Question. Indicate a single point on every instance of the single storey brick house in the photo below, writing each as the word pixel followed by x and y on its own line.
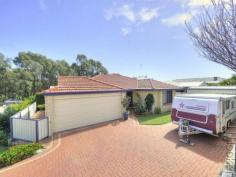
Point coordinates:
pixel 79 101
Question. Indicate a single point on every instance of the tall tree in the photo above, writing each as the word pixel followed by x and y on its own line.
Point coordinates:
pixel 35 72
pixel 6 78
pixel 31 63
pixel 23 83
pixel 88 67
pixel 213 32
pixel 63 68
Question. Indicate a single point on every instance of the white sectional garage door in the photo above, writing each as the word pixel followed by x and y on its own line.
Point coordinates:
pixel 75 111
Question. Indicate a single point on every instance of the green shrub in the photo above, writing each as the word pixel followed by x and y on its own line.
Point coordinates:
pixel 149 101
pixel 138 104
pixel 11 110
pixel 157 110
pixel 18 153
pixel 126 102
pixel 139 109
pixel 3 138
pixel 39 98
pixel 137 99
pixel 41 107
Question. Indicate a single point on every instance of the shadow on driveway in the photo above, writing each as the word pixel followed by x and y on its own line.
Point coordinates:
pixel 211 147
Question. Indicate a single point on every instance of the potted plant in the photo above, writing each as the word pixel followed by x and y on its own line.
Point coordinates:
pixel 126 102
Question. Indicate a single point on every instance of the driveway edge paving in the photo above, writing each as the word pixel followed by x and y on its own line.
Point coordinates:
pixel 54 144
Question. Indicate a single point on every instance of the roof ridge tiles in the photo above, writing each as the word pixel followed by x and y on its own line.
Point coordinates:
pixel 104 82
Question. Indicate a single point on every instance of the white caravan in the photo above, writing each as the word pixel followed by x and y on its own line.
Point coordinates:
pixel 208 113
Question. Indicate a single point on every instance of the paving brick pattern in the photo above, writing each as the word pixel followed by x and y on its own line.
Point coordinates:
pixel 126 149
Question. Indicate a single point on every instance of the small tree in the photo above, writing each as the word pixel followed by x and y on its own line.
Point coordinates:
pixel 149 101
pixel 213 32
pixel 138 104
pixel 126 102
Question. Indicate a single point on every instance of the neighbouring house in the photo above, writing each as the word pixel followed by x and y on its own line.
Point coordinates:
pixel 196 82
pixel 201 79
pixel 78 101
pixel 11 101
pixel 188 84
pixel 229 90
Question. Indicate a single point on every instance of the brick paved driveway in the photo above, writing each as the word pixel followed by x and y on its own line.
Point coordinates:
pixel 127 150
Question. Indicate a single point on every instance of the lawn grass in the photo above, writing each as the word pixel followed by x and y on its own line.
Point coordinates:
pixel 155 119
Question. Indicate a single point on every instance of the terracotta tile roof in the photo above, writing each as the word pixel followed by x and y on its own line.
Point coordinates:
pixel 154 84
pixel 80 84
pixel 83 82
pixel 133 83
pixel 104 83
pixel 119 80
pixel 57 89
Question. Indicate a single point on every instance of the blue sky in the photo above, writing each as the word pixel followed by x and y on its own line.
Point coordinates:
pixel 135 37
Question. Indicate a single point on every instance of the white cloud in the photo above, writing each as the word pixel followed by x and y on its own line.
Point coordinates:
pixel 124 11
pixel 146 14
pixel 178 19
pixel 132 16
pixel 125 31
pixel 196 3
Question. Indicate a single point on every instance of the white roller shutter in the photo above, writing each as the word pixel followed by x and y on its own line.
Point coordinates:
pixel 82 110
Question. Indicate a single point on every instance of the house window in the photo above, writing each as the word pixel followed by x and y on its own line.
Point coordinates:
pixel 167 96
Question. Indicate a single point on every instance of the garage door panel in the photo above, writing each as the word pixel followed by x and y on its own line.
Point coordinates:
pixel 79 112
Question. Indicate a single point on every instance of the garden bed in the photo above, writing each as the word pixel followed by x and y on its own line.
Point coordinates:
pixel 18 153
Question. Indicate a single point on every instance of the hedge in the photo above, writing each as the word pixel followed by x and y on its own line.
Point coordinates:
pixel 18 153
pixel 39 98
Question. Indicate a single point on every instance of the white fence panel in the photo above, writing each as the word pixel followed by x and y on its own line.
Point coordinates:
pixel 24 129
pixel 27 112
pixel 42 128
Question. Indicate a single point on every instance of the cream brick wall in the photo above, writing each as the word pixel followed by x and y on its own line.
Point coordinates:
pixel 49 111
pixel 158 99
